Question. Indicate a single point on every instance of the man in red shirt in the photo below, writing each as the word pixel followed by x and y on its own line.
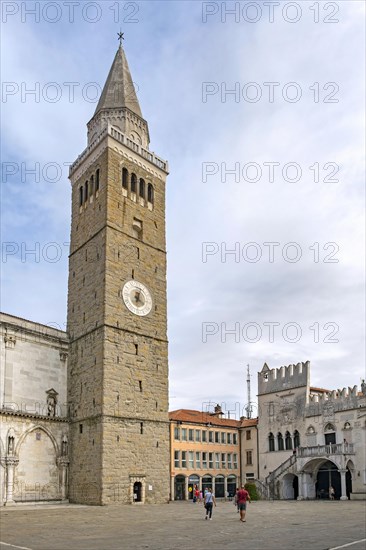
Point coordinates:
pixel 242 499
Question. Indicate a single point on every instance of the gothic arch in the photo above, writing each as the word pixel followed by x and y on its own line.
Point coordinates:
pixel 32 429
pixel 310 430
pixel 313 464
pixel 350 466
pixel 2 453
pixel 329 427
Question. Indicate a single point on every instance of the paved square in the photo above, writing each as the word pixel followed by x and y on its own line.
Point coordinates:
pixel 284 525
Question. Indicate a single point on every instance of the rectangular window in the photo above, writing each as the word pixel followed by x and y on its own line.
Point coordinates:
pixel 184 459
pixel 210 460
pixel 198 459
pixel 249 458
pixel 204 460
pixel 217 437
pixel 229 461
pixel 204 436
pixel 210 436
pixel 176 459
pixel 249 476
pixel 249 435
pixel 223 460
pixel 217 461
pixel 229 438
pixel 176 433
pixel 184 434
pixel 235 458
pixel 190 435
pixel 223 437
pixel 235 439
pixel 191 459
pixel 198 435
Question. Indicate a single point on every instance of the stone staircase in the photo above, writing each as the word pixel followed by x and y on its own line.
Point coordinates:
pixel 269 481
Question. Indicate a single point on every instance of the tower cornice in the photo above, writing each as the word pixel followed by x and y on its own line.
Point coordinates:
pixel 111 132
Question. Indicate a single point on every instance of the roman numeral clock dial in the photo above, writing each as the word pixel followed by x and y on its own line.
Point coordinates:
pixel 137 298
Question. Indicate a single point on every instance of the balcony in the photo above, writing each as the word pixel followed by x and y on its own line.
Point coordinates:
pixel 326 450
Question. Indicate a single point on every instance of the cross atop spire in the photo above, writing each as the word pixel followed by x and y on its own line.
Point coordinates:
pixel 120 38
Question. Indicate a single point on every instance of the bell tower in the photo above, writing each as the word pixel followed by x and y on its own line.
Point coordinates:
pixel 117 312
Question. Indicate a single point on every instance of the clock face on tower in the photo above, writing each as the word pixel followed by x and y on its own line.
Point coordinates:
pixel 137 298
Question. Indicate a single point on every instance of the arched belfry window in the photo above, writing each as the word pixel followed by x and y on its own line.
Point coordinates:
pixel 133 183
pixel 150 193
pixel 271 442
pixel 81 195
pixel 296 439
pixel 280 441
pixel 288 441
pixel 142 188
pixel 124 178
pixel 97 180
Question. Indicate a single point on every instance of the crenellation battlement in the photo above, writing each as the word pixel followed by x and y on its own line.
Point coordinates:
pixel 333 395
pixel 283 378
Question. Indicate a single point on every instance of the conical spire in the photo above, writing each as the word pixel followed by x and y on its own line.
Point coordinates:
pixel 119 91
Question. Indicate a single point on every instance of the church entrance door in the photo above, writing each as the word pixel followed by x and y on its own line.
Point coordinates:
pixel 137 491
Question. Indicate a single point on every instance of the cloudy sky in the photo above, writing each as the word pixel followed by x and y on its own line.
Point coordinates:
pixel 260 114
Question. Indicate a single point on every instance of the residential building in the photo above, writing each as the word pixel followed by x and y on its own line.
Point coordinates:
pixel 206 452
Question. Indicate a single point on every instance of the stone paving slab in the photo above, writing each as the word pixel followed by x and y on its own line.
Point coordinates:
pixel 281 525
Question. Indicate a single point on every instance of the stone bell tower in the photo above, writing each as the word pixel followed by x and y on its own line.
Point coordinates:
pixel 117 313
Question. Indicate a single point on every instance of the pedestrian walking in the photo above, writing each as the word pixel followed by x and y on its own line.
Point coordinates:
pixel 209 502
pixel 242 498
pixel 236 500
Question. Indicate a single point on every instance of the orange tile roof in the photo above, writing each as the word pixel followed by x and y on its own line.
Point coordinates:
pixel 248 422
pixel 319 389
pixel 200 417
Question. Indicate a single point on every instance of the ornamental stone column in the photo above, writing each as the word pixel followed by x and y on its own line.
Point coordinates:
pixel 343 484
pixel 63 464
pixel 301 486
pixel 225 486
pixel 186 488
pixel 11 463
pixel 213 485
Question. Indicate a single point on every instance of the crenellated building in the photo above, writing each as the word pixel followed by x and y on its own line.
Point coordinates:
pixel 310 438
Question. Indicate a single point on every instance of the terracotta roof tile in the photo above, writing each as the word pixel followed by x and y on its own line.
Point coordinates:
pixel 200 417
